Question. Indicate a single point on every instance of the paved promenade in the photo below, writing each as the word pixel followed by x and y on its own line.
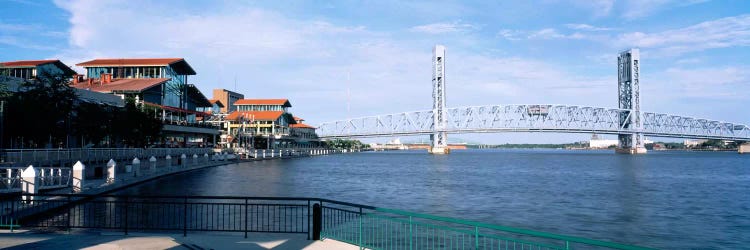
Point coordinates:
pixel 194 241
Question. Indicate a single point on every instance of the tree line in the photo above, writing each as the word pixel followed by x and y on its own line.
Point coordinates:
pixel 45 112
pixel 345 144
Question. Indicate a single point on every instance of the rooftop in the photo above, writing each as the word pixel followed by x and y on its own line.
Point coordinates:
pixel 255 115
pixel 228 91
pixel 27 63
pixel 283 102
pixel 217 102
pixel 301 125
pixel 130 85
pixel 35 63
pixel 178 64
pixel 197 96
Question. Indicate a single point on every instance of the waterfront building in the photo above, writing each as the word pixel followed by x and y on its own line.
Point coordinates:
pixel 694 143
pixel 267 123
pixel 600 143
pixel 159 84
pixel 215 107
pixel 227 98
pixel 304 135
pixel 14 74
pixel 30 69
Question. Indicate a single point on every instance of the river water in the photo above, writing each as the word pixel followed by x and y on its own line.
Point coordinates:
pixel 673 200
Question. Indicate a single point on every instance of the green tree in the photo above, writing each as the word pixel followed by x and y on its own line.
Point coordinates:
pixel 4 92
pixel 40 111
pixel 345 144
pixel 713 144
pixel 93 122
pixel 133 127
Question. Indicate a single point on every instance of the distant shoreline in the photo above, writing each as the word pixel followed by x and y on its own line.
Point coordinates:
pixel 592 149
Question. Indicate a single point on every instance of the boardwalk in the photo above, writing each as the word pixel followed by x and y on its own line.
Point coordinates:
pixel 103 240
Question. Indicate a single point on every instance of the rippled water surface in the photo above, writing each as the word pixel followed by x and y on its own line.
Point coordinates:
pixel 662 199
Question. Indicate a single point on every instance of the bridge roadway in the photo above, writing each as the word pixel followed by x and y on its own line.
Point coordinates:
pixel 534 118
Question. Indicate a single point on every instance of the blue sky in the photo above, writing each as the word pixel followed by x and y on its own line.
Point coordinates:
pixel 695 54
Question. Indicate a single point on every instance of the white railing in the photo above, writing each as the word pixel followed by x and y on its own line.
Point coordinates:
pixel 160 161
pixel 49 178
pixel 24 156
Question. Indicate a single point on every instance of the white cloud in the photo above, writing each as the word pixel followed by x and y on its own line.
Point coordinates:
pixel 699 82
pixel 690 87
pixel 545 34
pixel 308 60
pixel 441 28
pixel 508 80
pixel 720 33
pixel 586 27
pixel 512 35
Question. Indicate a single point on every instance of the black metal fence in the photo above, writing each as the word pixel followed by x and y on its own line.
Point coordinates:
pixel 159 213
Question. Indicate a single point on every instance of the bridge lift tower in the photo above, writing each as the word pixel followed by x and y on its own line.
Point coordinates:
pixel 439 139
pixel 629 99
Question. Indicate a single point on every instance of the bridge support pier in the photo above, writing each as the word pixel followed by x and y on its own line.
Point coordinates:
pixel 631 151
pixel 439 150
pixel 629 99
pixel 744 148
pixel 439 139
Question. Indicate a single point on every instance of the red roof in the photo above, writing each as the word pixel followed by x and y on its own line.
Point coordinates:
pixel 298 119
pixel 255 115
pixel 131 62
pixel 283 102
pixel 301 125
pixel 178 64
pixel 34 63
pixel 122 85
pixel 27 63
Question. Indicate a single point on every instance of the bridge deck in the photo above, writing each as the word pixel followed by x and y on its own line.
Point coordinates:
pixel 534 118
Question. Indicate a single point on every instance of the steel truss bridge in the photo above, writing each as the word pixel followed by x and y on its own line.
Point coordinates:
pixel 533 118
pixel 627 121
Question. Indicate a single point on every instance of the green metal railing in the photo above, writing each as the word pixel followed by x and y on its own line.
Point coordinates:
pixel 381 228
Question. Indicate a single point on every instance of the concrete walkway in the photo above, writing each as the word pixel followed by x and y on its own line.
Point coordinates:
pixel 194 241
